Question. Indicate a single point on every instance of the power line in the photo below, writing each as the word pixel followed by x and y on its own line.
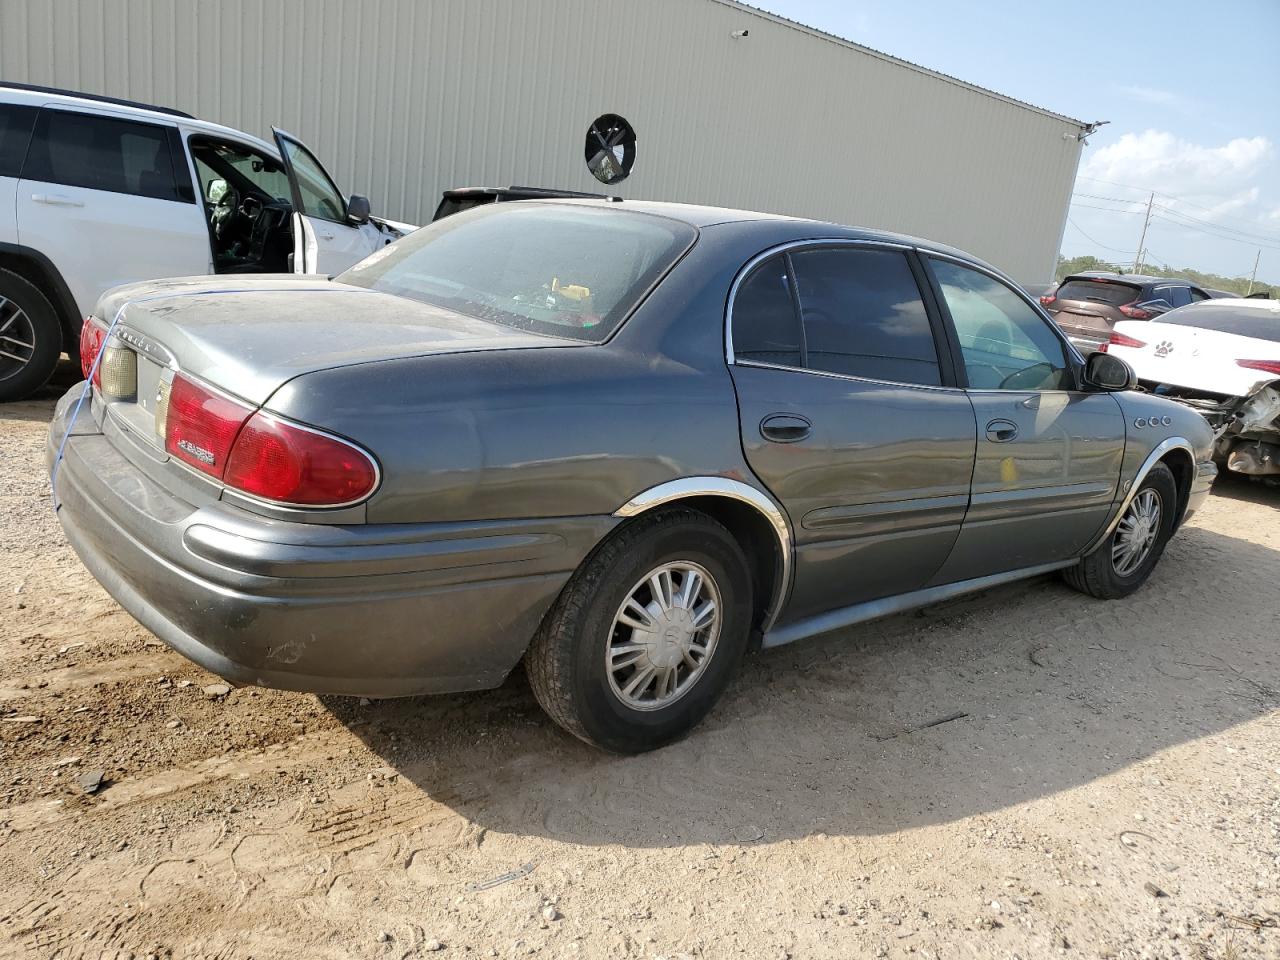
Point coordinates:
pixel 1219 226
pixel 1089 206
pixel 1160 193
pixel 1093 241
pixel 1219 236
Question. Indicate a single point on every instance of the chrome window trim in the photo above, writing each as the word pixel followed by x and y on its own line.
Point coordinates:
pixel 785 247
pixel 673 491
pixel 1026 298
pixel 762 365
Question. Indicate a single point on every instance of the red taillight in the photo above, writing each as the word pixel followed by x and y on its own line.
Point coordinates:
pixel 1048 299
pixel 1120 340
pixel 91 336
pixel 1134 313
pixel 201 426
pixel 285 463
pixel 1266 366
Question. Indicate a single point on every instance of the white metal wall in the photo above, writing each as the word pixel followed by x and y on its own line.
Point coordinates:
pixel 404 98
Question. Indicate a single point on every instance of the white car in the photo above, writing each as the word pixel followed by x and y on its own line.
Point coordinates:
pixel 96 192
pixel 1221 357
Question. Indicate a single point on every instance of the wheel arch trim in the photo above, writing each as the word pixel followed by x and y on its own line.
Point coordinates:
pixel 687 488
pixel 1157 454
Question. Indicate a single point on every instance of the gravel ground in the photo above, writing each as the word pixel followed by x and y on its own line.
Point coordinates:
pixel 1106 783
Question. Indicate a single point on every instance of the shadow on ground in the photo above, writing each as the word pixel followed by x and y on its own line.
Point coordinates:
pixel 830 736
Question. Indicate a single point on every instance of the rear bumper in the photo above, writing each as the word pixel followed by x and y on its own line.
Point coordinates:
pixel 366 609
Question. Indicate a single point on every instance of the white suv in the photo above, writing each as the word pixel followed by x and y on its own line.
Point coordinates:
pixel 96 192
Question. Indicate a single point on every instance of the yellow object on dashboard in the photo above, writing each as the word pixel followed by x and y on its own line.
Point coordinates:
pixel 574 291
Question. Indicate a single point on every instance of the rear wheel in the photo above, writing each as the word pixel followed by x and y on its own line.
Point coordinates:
pixel 30 337
pixel 647 633
pixel 1123 562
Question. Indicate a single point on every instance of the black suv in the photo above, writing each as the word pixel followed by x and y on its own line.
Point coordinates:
pixel 1088 305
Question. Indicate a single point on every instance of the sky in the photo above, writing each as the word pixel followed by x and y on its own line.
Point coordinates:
pixel 1191 92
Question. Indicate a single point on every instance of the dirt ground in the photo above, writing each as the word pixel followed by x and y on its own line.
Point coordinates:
pixel 1106 784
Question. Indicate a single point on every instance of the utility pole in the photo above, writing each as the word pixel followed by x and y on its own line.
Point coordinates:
pixel 1255 273
pixel 1146 222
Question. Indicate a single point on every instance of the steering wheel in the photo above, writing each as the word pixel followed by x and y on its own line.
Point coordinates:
pixel 1034 377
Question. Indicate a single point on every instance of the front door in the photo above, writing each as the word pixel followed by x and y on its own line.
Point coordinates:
pixel 107 201
pixel 848 418
pixel 324 241
pixel 1049 454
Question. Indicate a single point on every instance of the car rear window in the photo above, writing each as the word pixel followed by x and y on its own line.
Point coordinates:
pixel 557 269
pixel 1099 291
pixel 1259 323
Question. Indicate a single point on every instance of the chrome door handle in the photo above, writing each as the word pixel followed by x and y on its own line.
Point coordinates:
pixel 785 428
pixel 56 200
pixel 326 236
pixel 1002 431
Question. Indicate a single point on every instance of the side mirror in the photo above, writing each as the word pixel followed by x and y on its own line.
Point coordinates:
pixel 1102 371
pixel 1155 307
pixel 216 191
pixel 358 209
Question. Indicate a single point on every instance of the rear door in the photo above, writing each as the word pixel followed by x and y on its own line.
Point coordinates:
pixel 324 241
pixel 848 417
pixel 1048 454
pixel 110 200
pixel 16 122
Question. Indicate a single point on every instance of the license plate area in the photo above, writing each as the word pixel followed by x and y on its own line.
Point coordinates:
pixel 137 416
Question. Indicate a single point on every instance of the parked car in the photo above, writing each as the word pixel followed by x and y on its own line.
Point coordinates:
pixel 95 192
pixel 616 441
pixel 464 198
pixel 1221 358
pixel 1088 305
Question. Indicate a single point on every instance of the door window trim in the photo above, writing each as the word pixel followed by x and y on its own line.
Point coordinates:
pixel 1073 357
pixel 941 336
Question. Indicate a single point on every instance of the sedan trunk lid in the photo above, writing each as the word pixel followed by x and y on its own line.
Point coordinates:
pixel 250 334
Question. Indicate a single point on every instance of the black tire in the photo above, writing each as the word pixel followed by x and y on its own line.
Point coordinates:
pixel 1096 574
pixel 566 663
pixel 18 381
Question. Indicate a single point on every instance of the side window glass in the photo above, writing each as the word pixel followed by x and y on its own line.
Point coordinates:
pixel 320 198
pixel 1198 295
pixel 765 326
pixel 101 153
pixel 1005 344
pixel 863 315
pixel 15 134
pixel 1179 296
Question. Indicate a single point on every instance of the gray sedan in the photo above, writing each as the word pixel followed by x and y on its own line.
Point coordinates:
pixel 621 441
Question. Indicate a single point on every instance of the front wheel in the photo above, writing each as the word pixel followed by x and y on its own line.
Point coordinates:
pixel 647 633
pixel 1124 560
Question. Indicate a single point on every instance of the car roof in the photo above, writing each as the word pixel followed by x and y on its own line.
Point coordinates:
pixel 112 107
pixel 1130 278
pixel 701 216
pixel 1232 303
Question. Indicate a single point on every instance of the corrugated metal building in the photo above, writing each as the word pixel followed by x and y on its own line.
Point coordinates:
pixel 405 98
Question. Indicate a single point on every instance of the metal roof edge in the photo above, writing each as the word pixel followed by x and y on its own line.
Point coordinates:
pixel 897 61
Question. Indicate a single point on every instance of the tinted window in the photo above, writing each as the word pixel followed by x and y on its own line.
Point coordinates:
pixel 101 153
pixel 863 315
pixel 15 134
pixel 1006 345
pixel 1262 323
pixel 550 268
pixel 1175 294
pixel 1198 295
pixel 765 326
pixel 1099 291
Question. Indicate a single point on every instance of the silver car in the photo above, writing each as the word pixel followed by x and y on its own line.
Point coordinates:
pixel 619 441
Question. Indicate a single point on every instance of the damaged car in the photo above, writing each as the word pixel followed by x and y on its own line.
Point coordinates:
pixel 616 442
pixel 96 191
pixel 1221 358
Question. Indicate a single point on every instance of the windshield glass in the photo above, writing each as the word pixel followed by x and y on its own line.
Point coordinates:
pixel 549 268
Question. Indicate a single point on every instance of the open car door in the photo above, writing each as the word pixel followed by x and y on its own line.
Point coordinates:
pixel 328 237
